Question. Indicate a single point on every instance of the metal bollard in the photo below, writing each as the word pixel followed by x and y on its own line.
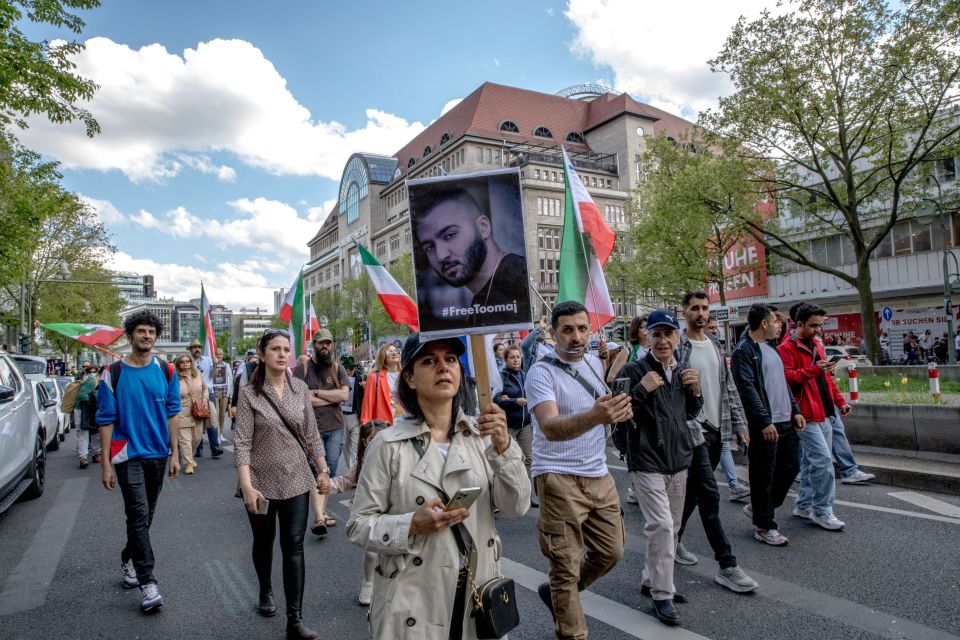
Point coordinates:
pixel 852 381
pixel 933 374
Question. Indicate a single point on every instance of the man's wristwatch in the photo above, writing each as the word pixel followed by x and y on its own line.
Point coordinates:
pixel 326 471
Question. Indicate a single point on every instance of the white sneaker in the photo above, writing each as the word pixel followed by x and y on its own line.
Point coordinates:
pixel 683 556
pixel 858 477
pixel 152 599
pixel 802 513
pixel 366 592
pixel 631 499
pixel 739 491
pixel 748 510
pixel 129 575
pixel 770 536
pixel 828 521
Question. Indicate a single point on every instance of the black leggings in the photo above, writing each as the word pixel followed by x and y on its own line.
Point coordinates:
pixel 292 514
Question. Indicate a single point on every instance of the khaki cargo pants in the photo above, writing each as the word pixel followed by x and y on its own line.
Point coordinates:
pixel 577 512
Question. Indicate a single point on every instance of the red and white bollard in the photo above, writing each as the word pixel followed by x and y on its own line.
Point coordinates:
pixel 933 375
pixel 852 380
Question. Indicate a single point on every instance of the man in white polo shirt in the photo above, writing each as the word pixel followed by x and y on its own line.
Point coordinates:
pixel 579 504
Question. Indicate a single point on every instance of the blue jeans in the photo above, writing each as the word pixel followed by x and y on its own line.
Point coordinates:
pixel 817 483
pixel 332 446
pixel 726 463
pixel 212 434
pixel 841 448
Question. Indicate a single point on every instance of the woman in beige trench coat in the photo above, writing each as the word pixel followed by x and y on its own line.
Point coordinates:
pixel 397 513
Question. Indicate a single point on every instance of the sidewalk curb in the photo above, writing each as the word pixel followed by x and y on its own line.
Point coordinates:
pixel 913 479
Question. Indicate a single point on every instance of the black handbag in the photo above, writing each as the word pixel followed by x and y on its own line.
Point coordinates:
pixel 494 611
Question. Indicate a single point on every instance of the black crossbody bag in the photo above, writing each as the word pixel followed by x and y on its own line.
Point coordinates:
pixel 310 463
pixel 494 602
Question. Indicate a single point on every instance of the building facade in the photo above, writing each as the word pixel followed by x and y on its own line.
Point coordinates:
pixel 496 127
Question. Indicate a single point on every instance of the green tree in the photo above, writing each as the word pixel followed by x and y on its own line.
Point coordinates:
pixel 223 343
pixel 71 235
pixel 687 213
pixel 244 344
pixel 38 77
pixel 846 99
pixel 70 302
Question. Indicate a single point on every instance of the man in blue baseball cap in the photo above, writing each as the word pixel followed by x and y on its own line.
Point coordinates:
pixel 664 397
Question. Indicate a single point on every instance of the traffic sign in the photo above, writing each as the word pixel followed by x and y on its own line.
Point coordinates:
pixel 721 314
pixel 887 314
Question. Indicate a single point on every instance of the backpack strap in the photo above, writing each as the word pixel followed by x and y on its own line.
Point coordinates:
pixel 117 367
pixel 573 373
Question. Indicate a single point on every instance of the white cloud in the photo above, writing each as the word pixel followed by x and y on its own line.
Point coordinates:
pixel 657 54
pixel 157 109
pixel 267 225
pixel 549 11
pixel 233 285
pixel 104 209
pixel 450 105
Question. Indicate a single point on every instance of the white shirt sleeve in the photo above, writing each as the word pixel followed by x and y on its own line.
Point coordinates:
pixel 539 387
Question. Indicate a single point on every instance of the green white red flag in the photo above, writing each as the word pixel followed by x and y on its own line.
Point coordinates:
pixel 586 245
pixel 311 326
pixel 205 335
pixel 400 307
pixel 91 334
pixel 293 313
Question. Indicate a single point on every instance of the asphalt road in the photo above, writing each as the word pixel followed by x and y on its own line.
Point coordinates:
pixel 894 573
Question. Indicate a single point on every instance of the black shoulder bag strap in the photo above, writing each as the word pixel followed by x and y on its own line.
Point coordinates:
pixel 573 373
pixel 273 404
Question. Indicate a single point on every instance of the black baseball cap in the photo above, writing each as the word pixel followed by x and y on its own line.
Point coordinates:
pixel 413 346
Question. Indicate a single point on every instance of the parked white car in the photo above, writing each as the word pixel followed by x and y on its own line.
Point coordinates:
pixel 23 453
pixel 56 393
pixel 848 355
pixel 47 413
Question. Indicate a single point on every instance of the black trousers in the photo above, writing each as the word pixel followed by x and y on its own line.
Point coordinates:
pixel 140 480
pixel 702 494
pixel 773 467
pixel 292 516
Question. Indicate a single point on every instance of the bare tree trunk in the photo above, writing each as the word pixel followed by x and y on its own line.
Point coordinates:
pixel 867 309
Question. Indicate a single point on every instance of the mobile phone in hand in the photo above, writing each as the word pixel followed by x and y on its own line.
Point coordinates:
pixel 263 506
pixel 463 498
pixel 620 385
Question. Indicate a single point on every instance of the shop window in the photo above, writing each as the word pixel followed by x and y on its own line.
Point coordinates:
pixel 921 235
pixel 834 251
pixel 885 248
pixel 901 238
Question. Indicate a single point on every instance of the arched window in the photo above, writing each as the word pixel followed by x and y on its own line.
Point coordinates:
pixel 508 126
pixel 353 188
pixel 671 140
pixel 427 150
pixel 353 202
pixel 444 139
pixel 543 132
pixel 575 137
pixel 411 162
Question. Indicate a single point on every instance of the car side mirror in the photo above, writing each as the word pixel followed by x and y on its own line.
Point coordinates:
pixel 6 393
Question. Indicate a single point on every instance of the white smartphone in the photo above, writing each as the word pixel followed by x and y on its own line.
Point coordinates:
pixel 463 498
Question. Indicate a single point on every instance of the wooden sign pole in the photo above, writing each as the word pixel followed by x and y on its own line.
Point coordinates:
pixel 479 347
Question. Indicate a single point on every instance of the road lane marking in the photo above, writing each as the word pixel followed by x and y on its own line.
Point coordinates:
pixel 819 604
pixel 631 621
pixel 27 585
pixel 236 593
pixel 926 502
pixel 899 512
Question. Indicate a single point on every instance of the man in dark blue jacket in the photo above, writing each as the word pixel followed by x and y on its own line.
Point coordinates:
pixel 773 418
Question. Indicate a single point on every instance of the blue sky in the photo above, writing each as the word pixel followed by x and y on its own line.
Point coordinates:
pixel 226 124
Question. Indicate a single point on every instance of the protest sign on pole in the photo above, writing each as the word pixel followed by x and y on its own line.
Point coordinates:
pixel 469 259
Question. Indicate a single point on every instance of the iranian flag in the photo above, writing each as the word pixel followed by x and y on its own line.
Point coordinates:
pixel 293 314
pixel 206 336
pixel 398 304
pixel 90 334
pixel 311 326
pixel 587 244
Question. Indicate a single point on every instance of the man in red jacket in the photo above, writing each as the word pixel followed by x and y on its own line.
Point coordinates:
pixel 810 376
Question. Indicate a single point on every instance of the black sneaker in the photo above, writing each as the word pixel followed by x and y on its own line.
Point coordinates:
pixel 198 453
pixel 216 453
pixel 544 592
pixel 678 596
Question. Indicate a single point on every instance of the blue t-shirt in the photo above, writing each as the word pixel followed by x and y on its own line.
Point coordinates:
pixel 139 410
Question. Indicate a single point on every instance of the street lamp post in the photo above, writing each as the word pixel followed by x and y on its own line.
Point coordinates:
pixel 950 280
